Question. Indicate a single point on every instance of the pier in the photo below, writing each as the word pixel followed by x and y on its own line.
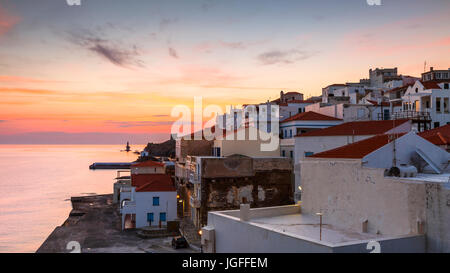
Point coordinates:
pixel 110 166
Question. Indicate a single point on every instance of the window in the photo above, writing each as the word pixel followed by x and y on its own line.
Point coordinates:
pixel 438 104
pixel 437 124
pixel 283 153
pixel 150 217
pixel 290 133
pixel 386 115
pixel 162 216
pixel 308 154
pixel 291 154
pixel 155 201
pixel 446 86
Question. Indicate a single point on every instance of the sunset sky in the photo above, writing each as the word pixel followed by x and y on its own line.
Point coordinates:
pixel 111 70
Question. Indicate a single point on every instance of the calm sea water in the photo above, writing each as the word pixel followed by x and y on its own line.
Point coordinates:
pixel 37 181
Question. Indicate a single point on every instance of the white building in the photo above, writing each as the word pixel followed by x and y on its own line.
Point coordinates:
pixel 350 204
pixel 300 124
pixel 389 184
pixel 325 139
pixel 428 99
pixel 248 141
pixel 150 201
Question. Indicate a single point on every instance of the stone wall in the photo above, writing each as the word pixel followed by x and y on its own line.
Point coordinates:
pixel 264 189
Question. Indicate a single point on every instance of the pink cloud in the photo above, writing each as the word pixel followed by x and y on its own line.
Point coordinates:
pixel 397 37
pixel 7 21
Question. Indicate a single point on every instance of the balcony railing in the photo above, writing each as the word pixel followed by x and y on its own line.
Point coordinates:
pixel 412 114
pixel 128 207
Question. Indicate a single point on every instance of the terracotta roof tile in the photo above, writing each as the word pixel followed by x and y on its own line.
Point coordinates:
pixel 148 163
pixel 358 149
pixel 152 182
pixel 310 115
pixel 433 84
pixel 357 128
pixel 437 136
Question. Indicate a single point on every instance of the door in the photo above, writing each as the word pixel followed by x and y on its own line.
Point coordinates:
pixel 162 216
pixel 150 218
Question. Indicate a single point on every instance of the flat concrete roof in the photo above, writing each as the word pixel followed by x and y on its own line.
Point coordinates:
pixel 430 177
pixel 308 227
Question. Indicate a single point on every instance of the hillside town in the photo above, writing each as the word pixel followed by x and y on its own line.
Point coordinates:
pixel 365 162
pixel 364 167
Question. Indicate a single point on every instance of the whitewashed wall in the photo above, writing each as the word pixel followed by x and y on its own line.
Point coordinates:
pixel 144 205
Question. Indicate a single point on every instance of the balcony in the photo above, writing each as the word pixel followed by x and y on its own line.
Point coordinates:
pixel 195 202
pixel 413 115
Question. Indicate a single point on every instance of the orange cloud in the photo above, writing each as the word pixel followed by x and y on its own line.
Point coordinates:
pixel 19 80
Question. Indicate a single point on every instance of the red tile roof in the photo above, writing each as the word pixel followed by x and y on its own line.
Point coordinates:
pixel 433 84
pixel 438 136
pixel 310 115
pixel 336 84
pixel 148 163
pixel 357 128
pixel 402 88
pixel 293 93
pixel 358 149
pixel 376 103
pixel 152 182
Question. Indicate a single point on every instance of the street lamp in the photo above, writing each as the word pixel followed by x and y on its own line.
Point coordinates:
pixel 320 225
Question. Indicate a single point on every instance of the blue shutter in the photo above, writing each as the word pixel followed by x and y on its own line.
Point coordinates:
pixel 162 216
pixel 155 201
pixel 150 217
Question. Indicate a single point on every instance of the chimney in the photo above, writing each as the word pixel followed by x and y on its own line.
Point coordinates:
pixel 281 96
pixel 431 68
pixel 244 212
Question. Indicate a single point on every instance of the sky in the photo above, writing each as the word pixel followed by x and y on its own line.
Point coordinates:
pixel 109 71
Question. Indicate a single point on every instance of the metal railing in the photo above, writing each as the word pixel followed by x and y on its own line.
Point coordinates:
pixel 412 114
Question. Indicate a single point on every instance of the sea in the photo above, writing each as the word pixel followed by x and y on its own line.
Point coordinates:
pixel 37 181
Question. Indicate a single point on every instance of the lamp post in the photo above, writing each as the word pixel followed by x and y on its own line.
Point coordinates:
pixel 320 225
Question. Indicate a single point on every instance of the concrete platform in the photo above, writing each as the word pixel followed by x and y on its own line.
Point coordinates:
pixel 95 225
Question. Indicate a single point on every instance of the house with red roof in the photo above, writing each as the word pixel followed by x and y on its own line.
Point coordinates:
pixel 428 100
pixel 300 124
pixel 317 141
pixel 147 167
pixel 391 184
pixel 152 201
